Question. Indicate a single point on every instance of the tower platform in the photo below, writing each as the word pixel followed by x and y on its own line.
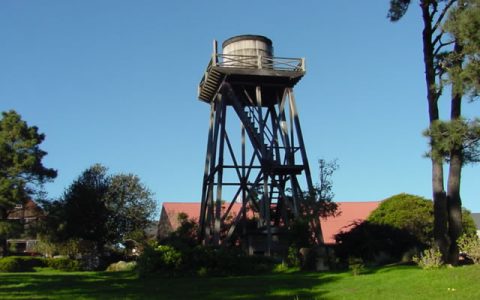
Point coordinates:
pixel 249 70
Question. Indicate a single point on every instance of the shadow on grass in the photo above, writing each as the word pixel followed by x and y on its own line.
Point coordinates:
pixel 122 285
pixel 391 267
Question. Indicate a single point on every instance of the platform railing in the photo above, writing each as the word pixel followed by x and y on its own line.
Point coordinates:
pixel 260 62
pixel 253 62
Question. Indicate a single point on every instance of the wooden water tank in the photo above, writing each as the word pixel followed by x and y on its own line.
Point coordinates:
pixel 245 51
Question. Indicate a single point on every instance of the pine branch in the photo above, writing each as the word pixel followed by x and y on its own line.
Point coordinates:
pixel 438 23
pixel 441 45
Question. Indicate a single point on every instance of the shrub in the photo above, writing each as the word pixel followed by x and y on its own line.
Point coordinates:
pixel 470 245
pixel 429 259
pixel 9 264
pixel 374 243
pixel 121 266
pixel 293 257
pixel 406 212
pixel 356 265
pixel 226 262
pixel 415 215
pixel 20 263
pixel 161 258
pixel 200 261
pixel 64 264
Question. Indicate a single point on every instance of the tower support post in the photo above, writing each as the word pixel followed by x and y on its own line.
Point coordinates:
pixel 253 177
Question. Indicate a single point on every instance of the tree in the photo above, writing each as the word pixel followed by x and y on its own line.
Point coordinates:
pixel 432 16
pixel 84 209
pixel 448 59
pixel 318 203
pixel 100 208
pixel 413 214
pixel 22 172
pixel 399 224
pixel 131 207
pixel 462 25
pixel 374 243
pixel 407 212
pixel 462 67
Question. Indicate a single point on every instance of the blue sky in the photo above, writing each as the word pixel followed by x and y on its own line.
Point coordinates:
pixel 115 82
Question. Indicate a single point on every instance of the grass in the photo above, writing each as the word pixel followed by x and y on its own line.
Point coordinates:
pixel 394 282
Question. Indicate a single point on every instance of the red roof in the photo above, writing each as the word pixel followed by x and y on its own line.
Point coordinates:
pixel 192 209
pixel 350 212
pixel 29 209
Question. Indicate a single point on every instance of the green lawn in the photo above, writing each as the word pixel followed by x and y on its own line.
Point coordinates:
pixel 399 282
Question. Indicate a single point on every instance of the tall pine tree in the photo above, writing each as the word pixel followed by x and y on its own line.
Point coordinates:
pixel 21 170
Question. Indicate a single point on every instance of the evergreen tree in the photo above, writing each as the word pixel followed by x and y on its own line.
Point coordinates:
pixel 101 209
pixel 22 172
pixel 451 55
pixel 433 15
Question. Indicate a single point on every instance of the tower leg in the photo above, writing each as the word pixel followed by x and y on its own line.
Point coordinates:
pixel 272 157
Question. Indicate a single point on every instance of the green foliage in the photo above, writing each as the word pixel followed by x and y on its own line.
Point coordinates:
pixel 413 214
pixel 20 263
pixel 161 258
pixel 20 160
pixel 320 200
pixel 111 209
pixel 462 24
pixel 201 261
pixel 406 212
pixel 10 228
pixel 293 257
pixel 299 234
pixel 429 259
pixel 470 245
pixel 398 8
pixel 356 265
pixel 122 266
pixel 131 205
pixel 84 204
pixel 456 134
pixel 22 172
pixel 70 248
pixel 468 224
pixel 64 264
pixel 317 203
pixel 374 243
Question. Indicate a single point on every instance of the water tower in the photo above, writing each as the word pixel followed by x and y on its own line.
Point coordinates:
pixel 255 169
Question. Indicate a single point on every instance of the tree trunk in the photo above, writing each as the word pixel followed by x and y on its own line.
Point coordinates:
pixel 454 205
pixel 439 195
pixel 440 215
pixel 454 202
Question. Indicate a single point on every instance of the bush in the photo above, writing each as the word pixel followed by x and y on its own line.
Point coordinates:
pixel 415 215
pixel 161 258
pixel 429 259
pixel 374 243
pixel 121 266
pixel 406 212
pixel 400 223
pixel 20 263
pixel 356 265
pixel 293 257
pixel 200 261
pixel 470 246
pixel 64 264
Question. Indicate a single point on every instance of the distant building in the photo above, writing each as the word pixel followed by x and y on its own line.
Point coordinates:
pixel 350 212
pixel 27 216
